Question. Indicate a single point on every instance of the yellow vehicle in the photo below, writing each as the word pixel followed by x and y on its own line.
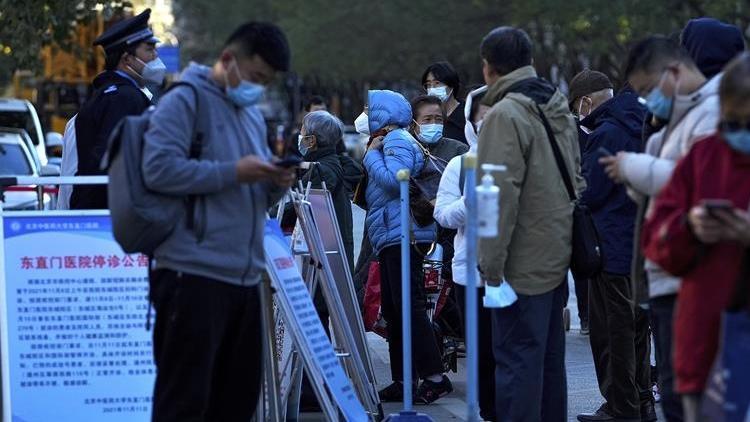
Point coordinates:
pixel 66 75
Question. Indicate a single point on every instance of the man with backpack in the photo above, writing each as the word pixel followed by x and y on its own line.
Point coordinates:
pixel 530 130
pixel 204 278
pixel 119 91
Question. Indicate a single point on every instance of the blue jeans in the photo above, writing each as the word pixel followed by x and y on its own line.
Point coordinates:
pixel 529 345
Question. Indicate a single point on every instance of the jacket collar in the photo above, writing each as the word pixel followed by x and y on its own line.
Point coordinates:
pixel 497 91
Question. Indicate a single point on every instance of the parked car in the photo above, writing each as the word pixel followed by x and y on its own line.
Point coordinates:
pixel 21 114
pixel 355 142
pixel 18 158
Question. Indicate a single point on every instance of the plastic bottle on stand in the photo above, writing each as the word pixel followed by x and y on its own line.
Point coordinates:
pixel 488 202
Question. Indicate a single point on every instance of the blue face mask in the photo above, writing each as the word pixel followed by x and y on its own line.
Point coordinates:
pixel 739 140
pixel 440 92
pixel 246 93
pixel 430 133
pixel 659 104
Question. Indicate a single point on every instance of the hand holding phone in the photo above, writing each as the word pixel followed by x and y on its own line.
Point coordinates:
pixel 604 152
pixel 713 206
pixel 289 162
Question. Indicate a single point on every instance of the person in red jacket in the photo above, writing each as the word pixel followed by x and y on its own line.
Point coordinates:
pixel 700 229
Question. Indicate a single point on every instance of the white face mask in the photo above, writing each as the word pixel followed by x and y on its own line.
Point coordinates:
pixel 362 124
pixel 153 71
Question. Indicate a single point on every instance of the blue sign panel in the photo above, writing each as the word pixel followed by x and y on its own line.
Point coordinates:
pixel 170 55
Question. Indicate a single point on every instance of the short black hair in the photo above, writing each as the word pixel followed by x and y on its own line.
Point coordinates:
pixel 264 39
pixel 445 73
pixel 653 52
pixel 506 49
pixel 421 100
pixel 112 58
pixel 313 100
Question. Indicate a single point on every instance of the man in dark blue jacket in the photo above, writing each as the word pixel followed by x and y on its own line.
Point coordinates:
pixel 619 331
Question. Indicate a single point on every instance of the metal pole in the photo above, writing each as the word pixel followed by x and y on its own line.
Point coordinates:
pixel 403 178
pixel 472 339
pixel 272 368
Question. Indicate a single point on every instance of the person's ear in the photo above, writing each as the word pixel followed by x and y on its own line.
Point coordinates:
pixel 313 141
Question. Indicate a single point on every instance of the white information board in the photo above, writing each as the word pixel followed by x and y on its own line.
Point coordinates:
pixel 72 313
pixel 302 319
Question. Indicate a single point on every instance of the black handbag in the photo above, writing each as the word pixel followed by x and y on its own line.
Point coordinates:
pixel 586 260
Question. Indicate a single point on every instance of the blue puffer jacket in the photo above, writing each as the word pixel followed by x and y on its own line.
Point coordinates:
pixel 399 152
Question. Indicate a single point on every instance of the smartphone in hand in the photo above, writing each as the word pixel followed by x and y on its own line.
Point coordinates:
pixel 289 162
pixel 714 205
pixel 604 152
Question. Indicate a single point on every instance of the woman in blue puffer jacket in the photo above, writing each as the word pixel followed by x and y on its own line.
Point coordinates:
pixel 392 148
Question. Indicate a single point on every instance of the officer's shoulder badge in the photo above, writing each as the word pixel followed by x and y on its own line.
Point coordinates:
pixel 112 88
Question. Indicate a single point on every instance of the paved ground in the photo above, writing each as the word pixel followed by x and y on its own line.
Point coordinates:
pixel 583 393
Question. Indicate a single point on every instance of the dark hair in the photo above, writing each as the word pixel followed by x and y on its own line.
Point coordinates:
pixel 421 100
pixel 506 49
pixel 445 73
pixel 264 39
pixel 112 58
pixel 735 84
pixel 313 100
pixel 653 52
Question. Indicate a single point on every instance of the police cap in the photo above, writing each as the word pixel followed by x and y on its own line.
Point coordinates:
pixel 127 32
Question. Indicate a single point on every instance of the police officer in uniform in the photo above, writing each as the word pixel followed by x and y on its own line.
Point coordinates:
pixel 119 91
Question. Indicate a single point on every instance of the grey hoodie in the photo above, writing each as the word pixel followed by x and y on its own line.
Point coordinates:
pixel 226 242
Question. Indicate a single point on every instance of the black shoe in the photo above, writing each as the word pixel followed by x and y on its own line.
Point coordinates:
pixel 430 391
pixel 648 412
pixel 392 393
pixel 602 414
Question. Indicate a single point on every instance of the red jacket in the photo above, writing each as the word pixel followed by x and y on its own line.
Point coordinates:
pixel 712 170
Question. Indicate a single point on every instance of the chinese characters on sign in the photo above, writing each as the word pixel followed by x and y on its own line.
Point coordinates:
pixel 76 309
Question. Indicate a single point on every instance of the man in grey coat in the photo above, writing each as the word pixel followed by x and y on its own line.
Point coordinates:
pixel 203 281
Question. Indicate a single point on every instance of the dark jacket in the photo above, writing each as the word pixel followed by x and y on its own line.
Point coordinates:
pixel 341 175
pixel 115 97
pixel 616 127
pixel 455 124
pixel 712 44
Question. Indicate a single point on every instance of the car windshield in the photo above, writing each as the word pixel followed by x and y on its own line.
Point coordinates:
pixel 13 161
pixel 19 120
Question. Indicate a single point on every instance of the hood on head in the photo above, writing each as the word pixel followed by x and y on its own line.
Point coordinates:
pixel 712 44
pixel 387 108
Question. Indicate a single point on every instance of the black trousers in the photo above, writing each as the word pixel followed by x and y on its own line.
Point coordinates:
pixel 426 358
pixel 529 348
pixel 620 345
pixel 662 312
pixel 207 348
pixel 486 360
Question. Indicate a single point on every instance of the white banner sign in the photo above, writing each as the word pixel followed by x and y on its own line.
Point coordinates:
pixel 73 311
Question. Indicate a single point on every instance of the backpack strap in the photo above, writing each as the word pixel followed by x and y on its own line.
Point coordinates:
pixel 196 147
pixel 558 155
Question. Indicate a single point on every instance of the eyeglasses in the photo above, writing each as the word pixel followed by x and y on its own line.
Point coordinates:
pixel 734 125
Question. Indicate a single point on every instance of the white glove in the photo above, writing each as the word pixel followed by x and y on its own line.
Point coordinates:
pixel 500 296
